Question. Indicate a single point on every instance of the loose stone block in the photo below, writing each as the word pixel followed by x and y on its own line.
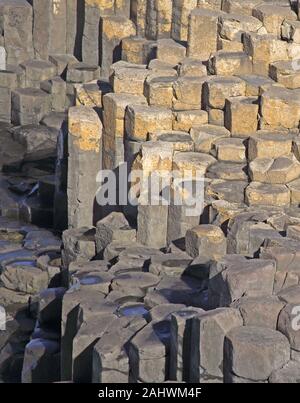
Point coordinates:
pixel 29 106
pixel 49 27
pixel 205 137
pixel 170 51
pixel 208 333
pixel 246 346
pixel 226 63
pixel 185 120
pixel 268 145
pixel 268 195
pixel 206 240
pixel 241 115
pixel 113 29
pixel 85 136
pixel 280 108
pixel 141 120
pixel 202 33
pixel 218 89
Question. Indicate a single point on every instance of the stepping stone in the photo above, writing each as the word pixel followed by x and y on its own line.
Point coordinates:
pixel 241 115
pixel 246 346
pixel 230 150
pixel 224 63
pixel 219 88
pixel 186 120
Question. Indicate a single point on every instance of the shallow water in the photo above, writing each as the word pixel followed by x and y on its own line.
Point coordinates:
pixel 133 310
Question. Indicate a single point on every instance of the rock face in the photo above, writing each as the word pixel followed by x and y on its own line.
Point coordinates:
pixel 160 139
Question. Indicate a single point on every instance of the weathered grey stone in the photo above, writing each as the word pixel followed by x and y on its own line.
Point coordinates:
pixel 41 362
pixel 180 343
pixel 114 227
pixel 260 312
pixel 245 347
pixel 237 278
pixel 207 339
pixel 290 373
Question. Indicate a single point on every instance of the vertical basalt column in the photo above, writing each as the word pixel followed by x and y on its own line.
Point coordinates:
pixel 93 11
pixel 49 27
pixel 16 25
pixel 84 163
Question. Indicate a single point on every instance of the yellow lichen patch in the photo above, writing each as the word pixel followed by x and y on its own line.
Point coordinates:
pixel 85 124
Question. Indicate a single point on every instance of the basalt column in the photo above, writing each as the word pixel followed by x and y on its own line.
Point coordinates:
pixel 84 163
